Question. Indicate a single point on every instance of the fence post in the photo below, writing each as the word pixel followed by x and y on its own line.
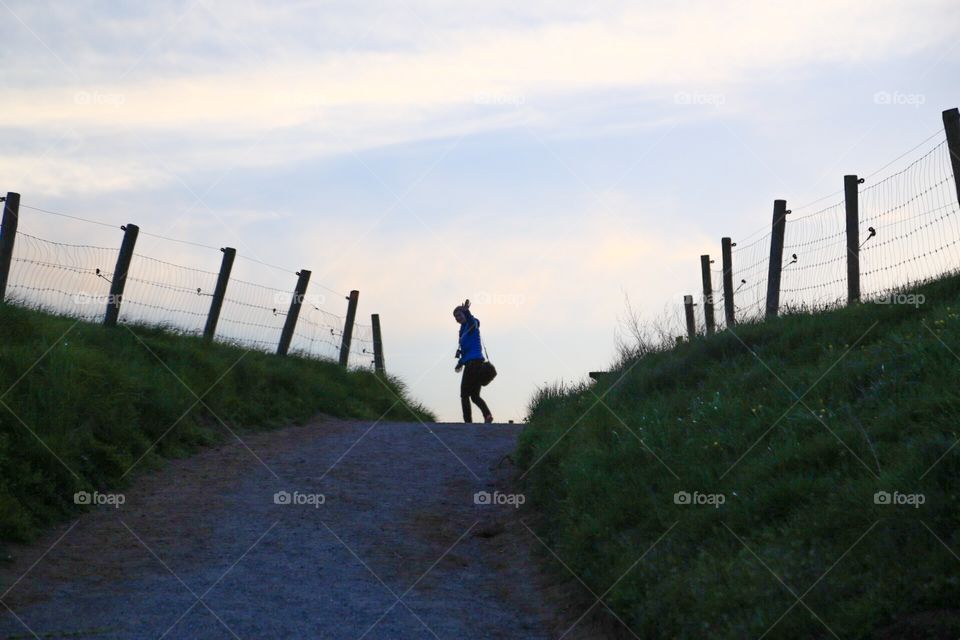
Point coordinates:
pixel 8 235
pixel 951 125
pixel 348 327
pixel 776 257
pixel 727 257
pixel 119 280
pixel 299 293
pixel 708 318
pixel 851 188
pixel 219 292
pixel 691 322
pixel 377 344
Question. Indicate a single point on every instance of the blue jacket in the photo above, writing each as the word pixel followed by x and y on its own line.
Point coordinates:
pixel 470 348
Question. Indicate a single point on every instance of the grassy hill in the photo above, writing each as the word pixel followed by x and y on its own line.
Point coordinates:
pixel 80 404
pixel 710 486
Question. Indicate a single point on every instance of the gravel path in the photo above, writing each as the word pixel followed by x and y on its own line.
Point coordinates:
pixel 201 549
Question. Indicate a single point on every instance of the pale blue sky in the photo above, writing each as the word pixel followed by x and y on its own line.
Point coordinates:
pixel 554 156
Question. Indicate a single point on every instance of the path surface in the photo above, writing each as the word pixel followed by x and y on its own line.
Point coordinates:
pixel 200 549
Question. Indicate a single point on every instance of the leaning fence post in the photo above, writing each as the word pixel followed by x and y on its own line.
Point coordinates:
pixel 776 257
pixel 377 344
pixel 219 292
pixel 299 293
pixel 727 257
pixel 851 188
pixel 353 298
pixel 8 235
pixel 691 321
pixel 951 125
pixel 707 295
pixel 119 280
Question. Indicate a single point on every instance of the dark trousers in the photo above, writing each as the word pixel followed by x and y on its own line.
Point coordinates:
pixel 470 390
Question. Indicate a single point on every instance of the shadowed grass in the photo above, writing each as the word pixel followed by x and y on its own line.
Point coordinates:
pixel 720 416
pixel 104 401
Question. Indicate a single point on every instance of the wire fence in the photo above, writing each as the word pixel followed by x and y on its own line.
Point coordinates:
pixel 909 233
pixel 75 280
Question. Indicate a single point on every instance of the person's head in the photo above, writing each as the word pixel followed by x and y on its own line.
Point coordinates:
pixel 460 312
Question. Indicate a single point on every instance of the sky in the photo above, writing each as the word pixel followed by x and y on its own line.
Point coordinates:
pixel 547 160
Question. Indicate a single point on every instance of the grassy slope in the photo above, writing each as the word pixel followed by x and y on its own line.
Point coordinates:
pixel 798 498
pixel 100 399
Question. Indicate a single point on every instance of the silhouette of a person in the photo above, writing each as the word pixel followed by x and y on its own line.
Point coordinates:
pixel 470 359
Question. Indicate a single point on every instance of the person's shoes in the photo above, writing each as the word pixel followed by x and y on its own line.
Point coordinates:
pixel 488 419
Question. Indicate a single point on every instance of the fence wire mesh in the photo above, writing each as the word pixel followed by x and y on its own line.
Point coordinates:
pixel 914 213
pixel 909 231
pixel 74 280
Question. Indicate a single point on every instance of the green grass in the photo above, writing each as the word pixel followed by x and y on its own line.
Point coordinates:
pixel 84 403
pixel 798 478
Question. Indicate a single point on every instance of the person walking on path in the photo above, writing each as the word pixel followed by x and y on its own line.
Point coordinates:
pixel 470 359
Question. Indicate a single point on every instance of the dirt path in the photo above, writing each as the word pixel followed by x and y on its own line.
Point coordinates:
pixel 201 549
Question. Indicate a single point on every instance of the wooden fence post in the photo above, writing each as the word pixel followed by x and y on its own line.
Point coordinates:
pixel 708 318
pixel 348 327
pixel 377 344
pixel 951 126
pixel 851 188
pixel 691 321
pixel 8 235
pixel 119 280
pixel 299 293
pixel 727 257
pixel 776 257
pixel 219 292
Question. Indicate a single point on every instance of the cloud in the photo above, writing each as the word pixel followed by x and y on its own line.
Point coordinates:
pixel 455 81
